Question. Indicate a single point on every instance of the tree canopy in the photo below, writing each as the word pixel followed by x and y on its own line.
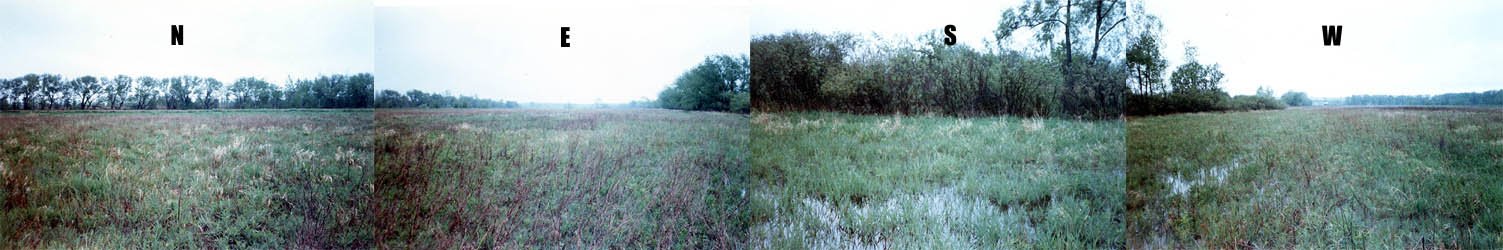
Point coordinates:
pixel 720 83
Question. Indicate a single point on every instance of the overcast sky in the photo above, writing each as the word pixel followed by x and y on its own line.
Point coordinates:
pixel 903 19
pixel 1392 47
pixel 619 51
pixel 222 39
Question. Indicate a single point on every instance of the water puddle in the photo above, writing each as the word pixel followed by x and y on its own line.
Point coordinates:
pixel 1213 175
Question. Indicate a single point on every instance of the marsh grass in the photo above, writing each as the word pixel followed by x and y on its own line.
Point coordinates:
pixel 830 180
pixel 560 179
pixel 185 179
pixel 1347 178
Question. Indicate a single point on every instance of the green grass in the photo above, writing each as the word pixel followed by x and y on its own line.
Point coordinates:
pixel 185 179
pixel 513 179
pixel 1345 178
pixel 830 180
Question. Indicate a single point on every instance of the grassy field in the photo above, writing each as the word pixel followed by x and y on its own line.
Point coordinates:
pixel 509 179
pixel 1343 178
pixel 829 180
pixel 185 179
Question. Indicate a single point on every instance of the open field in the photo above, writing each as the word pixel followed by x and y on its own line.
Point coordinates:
pixel 185 179
pixel 512 179
pixel 1344 178
pixel 829 180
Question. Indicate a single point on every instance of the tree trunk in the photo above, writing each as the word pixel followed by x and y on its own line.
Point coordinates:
pixel 1096 42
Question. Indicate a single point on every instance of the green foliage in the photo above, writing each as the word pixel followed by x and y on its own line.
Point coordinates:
pixel 1254 102
pixel 1262 100
pixel 1049 19
pixel 1295 99
pixel 1146 65
pixel 1197 87
pixel 741 102
pixel 789 68
pixel 717 84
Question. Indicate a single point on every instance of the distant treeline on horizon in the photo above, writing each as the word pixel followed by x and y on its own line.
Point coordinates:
pixel 1491 97
pixel 54 92
pixel 418 99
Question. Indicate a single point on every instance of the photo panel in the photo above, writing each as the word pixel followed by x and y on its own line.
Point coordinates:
pixel 935 124
pixel 550 125
pixel 167 124
pixel 1248 128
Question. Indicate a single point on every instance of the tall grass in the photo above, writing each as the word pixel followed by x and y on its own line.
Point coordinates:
pixel 1317 178
pixel 830 180
pixel 154 180
pixel 560 179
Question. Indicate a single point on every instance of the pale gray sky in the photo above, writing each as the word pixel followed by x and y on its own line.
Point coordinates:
pixel 904 19
pixel 1387 47
pixel 222 39
pixel 619 51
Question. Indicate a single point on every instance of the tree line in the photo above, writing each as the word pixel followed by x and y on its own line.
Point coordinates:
pixel 1066 69
pixel 720 83
pixel 54 92
pixel 419 99
pixel 1491 97
pixel 1193 86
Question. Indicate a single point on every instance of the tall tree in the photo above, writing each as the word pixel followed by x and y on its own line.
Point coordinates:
pixel 361 88
pixel 1197 87
pixel 191 83
pixel 86 87
pixel 240 91
pixel 7 94
pixel 28 90
pixel 53 89
pixel 146 90
pixel 179 91
pixel 1146 65
pixel 1048 19
pixel 206 91
pixel 119 89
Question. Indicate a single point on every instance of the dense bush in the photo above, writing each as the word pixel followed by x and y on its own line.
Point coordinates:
pixel 717 84
pixel 1063 70
pixel 1295 99
pixel 52 92
pixel 789 68
pixel 843 72
pixel 1254 102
